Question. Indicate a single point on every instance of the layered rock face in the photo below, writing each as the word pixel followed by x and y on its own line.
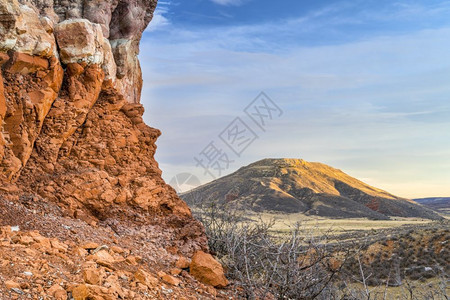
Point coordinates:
pixel 72 140
pixel 72 128
pixel 76 159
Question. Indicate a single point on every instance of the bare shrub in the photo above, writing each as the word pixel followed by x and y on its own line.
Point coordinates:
pixel 301 264
pixel 297 265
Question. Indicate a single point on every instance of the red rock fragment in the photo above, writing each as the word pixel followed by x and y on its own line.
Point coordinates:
pixel 207 270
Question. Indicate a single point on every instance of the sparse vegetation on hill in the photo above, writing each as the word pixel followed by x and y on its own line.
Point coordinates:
pixel 297 186
pixel 407 262
pixel 409 256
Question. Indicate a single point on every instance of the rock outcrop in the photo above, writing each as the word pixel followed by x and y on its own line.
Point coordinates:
pixel 72 129
pixel 73 143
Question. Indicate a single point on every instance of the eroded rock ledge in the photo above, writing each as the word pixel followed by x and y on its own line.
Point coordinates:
pixel 72 140
pixel 72 128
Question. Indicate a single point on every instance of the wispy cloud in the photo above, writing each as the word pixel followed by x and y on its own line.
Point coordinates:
pixel 228 2
pixel 160 19
pixel 410 10
pixel 338 22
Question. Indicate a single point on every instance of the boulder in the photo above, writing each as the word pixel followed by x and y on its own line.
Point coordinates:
pixel 171 280
pixel 207 270
pixel 182 263
pixel 57 292
pixel 10 284
pixel 80 292
pixel 145 278
pixel 92 276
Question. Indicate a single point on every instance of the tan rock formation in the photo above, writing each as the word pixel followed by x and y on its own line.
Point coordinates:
pixel 73 142
pixel 72 128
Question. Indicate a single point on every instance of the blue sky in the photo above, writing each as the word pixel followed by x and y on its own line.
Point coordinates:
pixel 364 85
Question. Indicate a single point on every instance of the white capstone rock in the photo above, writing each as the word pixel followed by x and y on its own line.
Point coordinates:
pixel 79 40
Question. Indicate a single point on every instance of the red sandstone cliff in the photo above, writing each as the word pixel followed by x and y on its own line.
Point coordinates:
pixel 76 160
